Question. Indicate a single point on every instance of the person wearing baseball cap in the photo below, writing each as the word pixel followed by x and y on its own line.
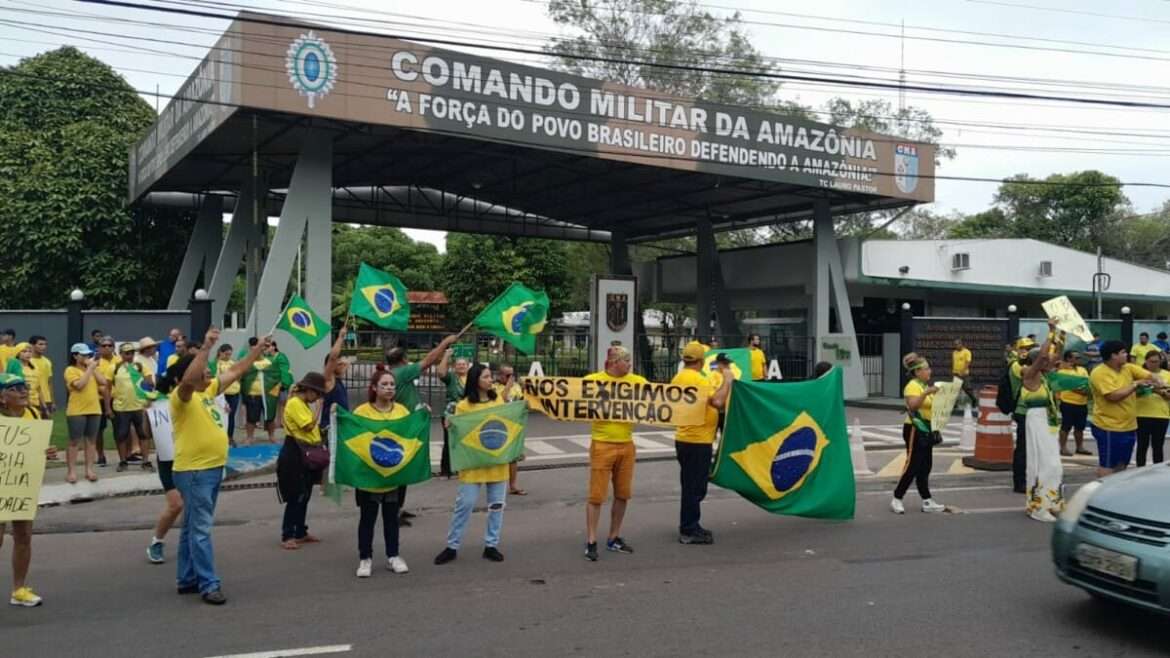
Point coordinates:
pixel 693 443
pixel 84 410
pixel 1114 419
pixel 611 458
pixel 14 404
pixel 1023 346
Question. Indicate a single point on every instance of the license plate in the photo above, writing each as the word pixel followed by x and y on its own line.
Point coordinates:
pixel 1103 560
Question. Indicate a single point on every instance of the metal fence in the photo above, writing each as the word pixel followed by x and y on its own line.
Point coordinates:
pixel 566 354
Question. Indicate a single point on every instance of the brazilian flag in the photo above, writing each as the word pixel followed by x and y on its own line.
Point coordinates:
pixel 488 437
pixel 517 316
pixel 299 320
pixel 381 454
pixel 786 449
pixel 1065 380
pixel 741 361
pixel 142 388
pixel 380 298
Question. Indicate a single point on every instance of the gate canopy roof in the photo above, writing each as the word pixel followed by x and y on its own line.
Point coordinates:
pixel 527 146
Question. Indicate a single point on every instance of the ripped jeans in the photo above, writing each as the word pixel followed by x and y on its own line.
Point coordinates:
pixel 465 501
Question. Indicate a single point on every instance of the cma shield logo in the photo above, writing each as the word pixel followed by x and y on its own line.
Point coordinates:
pixel 906 167
pixel 312 67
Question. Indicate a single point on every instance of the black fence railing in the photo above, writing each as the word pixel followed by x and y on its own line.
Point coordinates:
pixel 566 354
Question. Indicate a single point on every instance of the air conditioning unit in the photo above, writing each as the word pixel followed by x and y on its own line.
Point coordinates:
pixel 1045 268
pixel 960 262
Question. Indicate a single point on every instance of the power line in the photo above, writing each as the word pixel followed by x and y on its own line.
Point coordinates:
pixel 624 154
pixel 678 67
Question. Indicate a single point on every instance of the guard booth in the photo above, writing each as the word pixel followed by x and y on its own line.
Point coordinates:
pixel 320 125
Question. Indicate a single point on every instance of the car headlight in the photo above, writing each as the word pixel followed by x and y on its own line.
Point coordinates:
pixel 1080 500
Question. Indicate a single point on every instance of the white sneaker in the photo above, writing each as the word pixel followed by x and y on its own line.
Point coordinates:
pixel 365 567
pixel 897 507
pixel 931 507
pixel 1042 515
pixel 397 565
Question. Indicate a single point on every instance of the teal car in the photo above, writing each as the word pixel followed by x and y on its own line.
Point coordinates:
pixel 1113 539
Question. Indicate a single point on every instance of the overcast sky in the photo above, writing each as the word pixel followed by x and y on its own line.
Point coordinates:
pixel 1115 50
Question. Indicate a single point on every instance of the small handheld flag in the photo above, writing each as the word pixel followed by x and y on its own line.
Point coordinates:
pixel 142 388
pixel 517 316
pixel 488 437
pixel 380 298
pixel 299 320
pixel 741 361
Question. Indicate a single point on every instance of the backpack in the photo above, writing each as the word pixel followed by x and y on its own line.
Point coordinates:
pixel 1005 400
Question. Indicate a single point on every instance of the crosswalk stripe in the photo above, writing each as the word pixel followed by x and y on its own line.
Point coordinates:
pixel 541 447
pixel 958 468
pixel 582 441
pixel 646 444
pixel 893 468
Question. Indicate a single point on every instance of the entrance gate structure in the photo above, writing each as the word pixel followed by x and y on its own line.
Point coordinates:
pixel 320 125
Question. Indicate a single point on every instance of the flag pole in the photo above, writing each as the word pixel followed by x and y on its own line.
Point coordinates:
pixel 465 330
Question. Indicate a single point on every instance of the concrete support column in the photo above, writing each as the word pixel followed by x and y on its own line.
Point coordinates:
pixel 203 250
pixel 838 347
pixel 619 253
pixel 242 239
pixel 201 317
pixel 1127 326
pixel 307 210
pixel 705 261
pixel 74 332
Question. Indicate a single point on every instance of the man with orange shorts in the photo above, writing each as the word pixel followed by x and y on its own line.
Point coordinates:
pixel 611 459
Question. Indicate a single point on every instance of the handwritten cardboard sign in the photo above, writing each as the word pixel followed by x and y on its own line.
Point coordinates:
pixel 22 466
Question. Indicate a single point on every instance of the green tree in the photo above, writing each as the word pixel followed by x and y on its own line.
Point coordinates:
pixel 1143 239
pixel 66 123
pixel 417 264
pixel 638 36
pixel 1081 210
pixel 477 268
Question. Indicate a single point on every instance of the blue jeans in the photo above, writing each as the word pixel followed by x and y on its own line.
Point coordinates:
pixel 465 501
pixel 200 490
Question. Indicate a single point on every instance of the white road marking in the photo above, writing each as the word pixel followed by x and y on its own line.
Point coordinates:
pixel 539 447
pixel 286 653
pixel 646 444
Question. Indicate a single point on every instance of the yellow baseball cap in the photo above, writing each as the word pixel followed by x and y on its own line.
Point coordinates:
pixel 1025 343
pixel 694 351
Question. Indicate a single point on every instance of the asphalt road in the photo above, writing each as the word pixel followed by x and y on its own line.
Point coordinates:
pixel 974 583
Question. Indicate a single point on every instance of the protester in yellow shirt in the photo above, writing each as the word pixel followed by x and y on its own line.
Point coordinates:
pixel 1140 349
pixel 106 362
pixel 611 457
pixel 381 404
pixel 232 393
pixel 128 405
pixel 84 409
pixel 23 360
pixel 1074 407
pixel 508 389
pixel 14 404
pixel 294 477
pixel 201 446
pixel 479 393
pixel 1153 411
pixel 919 395
pixel 1115 383
pixel 961 368
pixel 693 443
pixel 759 359
pixel 7 351
pixel 44 373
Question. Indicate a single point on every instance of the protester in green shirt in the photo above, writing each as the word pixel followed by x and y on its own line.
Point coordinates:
pixel 454 379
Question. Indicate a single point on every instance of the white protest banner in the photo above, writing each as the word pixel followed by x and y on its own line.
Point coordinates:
pixel 1067 318
pixel 944 403
pixel 22 466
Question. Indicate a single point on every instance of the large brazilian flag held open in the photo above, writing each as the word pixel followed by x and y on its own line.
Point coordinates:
pixel 489 436
pixel 379 454
pixel 380 298
pixel 785 448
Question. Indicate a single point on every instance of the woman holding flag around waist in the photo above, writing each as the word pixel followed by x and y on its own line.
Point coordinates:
pixel 919 394
pixel 478 394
